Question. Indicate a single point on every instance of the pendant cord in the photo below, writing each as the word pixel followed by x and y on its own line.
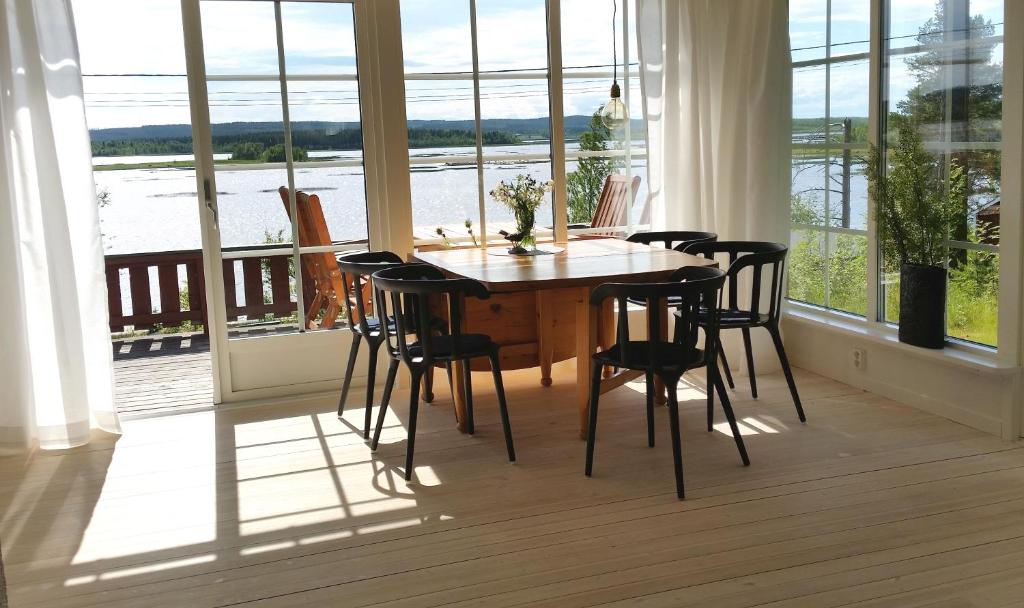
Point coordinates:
pixel 615 48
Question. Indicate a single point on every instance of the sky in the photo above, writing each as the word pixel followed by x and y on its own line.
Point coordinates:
pixel 240 38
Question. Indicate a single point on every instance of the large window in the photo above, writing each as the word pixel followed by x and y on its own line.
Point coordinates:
pixel 939 66
pixel 829 203
pixel 478 101
pixel 943 73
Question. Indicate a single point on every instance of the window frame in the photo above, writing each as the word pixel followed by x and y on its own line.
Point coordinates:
pixel 1010 341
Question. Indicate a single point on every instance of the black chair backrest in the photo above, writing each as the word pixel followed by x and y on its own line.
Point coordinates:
pixel 407 291
pixel 693 287
pixel 356 269
pixel 673 239
pixel 760 257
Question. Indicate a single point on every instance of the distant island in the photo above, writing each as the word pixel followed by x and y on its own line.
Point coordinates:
pixel 153 140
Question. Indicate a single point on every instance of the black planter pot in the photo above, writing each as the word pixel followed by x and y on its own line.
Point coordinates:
pixel 923 305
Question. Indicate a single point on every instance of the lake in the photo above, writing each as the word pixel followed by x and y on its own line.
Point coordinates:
pixel 157 209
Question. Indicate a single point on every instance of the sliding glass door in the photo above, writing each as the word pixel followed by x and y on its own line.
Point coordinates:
pixel 275 90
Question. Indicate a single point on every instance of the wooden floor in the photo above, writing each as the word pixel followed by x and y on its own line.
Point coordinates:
pixel 869 504
pixel 159 374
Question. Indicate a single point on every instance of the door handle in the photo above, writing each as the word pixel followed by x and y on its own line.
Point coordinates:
pixel 208 197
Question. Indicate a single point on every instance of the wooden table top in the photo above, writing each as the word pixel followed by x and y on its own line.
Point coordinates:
pixel 584 262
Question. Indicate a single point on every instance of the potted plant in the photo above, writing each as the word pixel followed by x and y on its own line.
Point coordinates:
pixel 523 197
pixel 916 204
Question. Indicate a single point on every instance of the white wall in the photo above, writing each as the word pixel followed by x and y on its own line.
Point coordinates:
pixel 973 390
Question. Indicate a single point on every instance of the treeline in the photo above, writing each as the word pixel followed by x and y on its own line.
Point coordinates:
pixel 340 139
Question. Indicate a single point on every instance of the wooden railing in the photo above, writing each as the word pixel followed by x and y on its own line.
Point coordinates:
pixel 266 288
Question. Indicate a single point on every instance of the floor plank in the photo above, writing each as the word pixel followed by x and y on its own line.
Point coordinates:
pixel 870 504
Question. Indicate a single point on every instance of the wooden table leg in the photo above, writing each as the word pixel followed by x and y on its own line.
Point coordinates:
pixel 545 336
pixel 586 344
pixel 660 393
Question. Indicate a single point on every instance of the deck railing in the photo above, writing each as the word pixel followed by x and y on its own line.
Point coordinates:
pixel 180 288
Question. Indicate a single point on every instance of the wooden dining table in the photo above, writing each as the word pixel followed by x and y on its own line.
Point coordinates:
pixel 539 311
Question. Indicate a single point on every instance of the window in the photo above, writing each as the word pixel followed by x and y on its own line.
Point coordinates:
pixel 499 112
pixel 943 73
pixel 828 262
pixel 939 65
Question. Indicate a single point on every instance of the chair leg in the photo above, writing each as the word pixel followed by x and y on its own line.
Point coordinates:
pixel 389 384
pixel 712 376
pixel 725 367
pixel 499 388
pixel 750 361
pixel 677 448
pixel 467 377
pixel 414 408
pixel 428 385
pixel 371 379
pixel 595 393
pixel 731 417
pixel 650 409
pixel 777 339
pixel 350 368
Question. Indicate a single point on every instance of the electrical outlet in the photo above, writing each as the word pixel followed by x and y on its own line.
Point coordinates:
pixel 859 358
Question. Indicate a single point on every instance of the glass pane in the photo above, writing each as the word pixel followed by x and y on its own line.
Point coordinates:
pixel 342 198
pixel 807 28
pixel 848 273
pixel 251 211
pixel 851 27
pixel 808 188
pixel 587 36
pixel 321 279
pixel 512 35
pixel 809 118
pixel 973 297
pixel 442 142
pixel 319 38
pixel 848 190
pixel 499 217
pixel 436 36
pixel 807 266
pixel 260 295
pixel 239 37
pixel 951 90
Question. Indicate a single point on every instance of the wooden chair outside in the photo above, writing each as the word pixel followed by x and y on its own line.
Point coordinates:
pixel 617 197
pixel 320 268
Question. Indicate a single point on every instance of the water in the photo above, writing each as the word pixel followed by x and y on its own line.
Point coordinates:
pixel 158 210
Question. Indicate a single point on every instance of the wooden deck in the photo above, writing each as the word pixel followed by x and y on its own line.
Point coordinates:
pixel 870 504
pixel 160 374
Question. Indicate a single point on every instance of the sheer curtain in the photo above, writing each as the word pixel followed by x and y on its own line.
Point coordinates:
pixel 717 94
pixel 56 371
pixel 716 90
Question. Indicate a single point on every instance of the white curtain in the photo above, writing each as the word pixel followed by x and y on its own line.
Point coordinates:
pixel 716 83
pixel 56 371
pixel 716 89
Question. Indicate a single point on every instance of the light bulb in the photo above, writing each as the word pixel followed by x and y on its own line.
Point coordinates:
pixel 614 113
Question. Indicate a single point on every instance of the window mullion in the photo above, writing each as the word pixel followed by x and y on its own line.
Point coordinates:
pixel 479 128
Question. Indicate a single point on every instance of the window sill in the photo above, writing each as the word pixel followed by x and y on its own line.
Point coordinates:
pixel 976 358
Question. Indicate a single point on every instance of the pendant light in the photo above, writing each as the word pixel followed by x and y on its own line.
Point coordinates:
pixel 614 113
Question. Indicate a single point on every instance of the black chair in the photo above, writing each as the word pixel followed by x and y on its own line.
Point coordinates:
pixel 407 291
pixel 696 289
pixel 356 269
pixel 761 258
pixel 673 239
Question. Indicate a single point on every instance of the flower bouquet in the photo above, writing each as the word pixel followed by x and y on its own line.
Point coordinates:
pixel 523 197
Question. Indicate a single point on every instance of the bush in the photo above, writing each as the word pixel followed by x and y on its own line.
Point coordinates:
pixel 276 154
pixel 247 151
pixel 583 186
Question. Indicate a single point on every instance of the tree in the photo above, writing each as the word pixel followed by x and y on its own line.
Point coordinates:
pixel 276 154
pixel 248 150
pixel 958 48
pixel 584 185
